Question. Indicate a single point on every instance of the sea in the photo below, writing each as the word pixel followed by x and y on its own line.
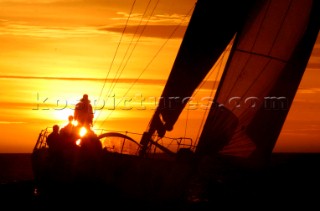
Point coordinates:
pixel 291 181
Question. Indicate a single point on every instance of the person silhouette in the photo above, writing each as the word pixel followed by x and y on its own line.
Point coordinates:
pixel 83 112
pixel 69 127
pixel 53 139
pixel 55 143
pixel 69 133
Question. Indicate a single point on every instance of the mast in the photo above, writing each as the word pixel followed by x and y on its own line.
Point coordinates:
pixel 212 26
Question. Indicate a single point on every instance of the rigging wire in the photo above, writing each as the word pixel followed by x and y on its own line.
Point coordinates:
pixel 116 79
pixel 153 58
pixel 186 125
pixel 117 49
pixel 218 62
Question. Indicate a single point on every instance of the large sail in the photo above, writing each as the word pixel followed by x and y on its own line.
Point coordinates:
pixel 261 78
pixel 202 45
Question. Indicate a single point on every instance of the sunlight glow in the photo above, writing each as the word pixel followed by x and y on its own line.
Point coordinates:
pixel 78 142
pixel 83 131
pixel 62 114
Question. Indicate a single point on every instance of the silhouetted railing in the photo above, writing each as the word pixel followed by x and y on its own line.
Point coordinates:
pixel 42 139
pixel 124 142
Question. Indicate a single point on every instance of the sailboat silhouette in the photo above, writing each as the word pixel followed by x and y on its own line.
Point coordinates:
pixel 272 44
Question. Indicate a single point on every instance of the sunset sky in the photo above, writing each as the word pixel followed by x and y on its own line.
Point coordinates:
pixel 54 51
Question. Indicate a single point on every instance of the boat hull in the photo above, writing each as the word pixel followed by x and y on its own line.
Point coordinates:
pixel 134 177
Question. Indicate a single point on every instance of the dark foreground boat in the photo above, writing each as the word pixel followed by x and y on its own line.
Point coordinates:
pixel 273 40
pixel 157 177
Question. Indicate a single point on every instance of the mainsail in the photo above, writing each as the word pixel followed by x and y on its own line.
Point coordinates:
pixel 273 43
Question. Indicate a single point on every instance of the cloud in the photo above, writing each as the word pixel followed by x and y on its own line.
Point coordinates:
pixel 305 128
pixel 120 80
pixel 24 29
pixel 309 91
pixel 157 25
pixel 176 19
pixel 29 2
pixel 156 31
pixel 313 66
pixel 205 86
pixel 9 122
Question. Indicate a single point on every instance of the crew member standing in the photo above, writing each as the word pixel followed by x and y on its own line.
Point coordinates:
pixel 83 112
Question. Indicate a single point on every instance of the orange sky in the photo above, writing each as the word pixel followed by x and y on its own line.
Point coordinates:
pixel 53 51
